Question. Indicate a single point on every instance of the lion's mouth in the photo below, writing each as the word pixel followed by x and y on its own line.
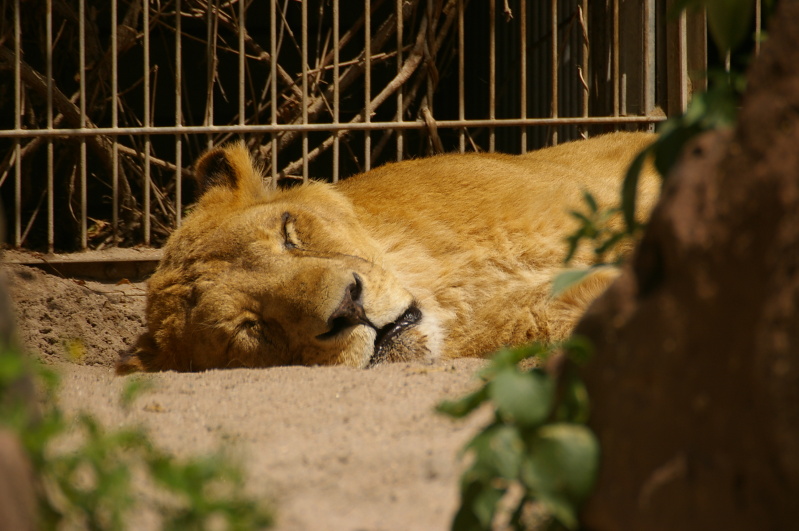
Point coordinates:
pixel 387 334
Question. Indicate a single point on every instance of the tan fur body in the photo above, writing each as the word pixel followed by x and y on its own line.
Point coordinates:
pixel 473 241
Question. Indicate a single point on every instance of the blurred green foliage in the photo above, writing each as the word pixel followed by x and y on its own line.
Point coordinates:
pixel 536 443
pixel 87 475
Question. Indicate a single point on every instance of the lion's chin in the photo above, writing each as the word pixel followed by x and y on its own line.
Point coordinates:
pixel 389 344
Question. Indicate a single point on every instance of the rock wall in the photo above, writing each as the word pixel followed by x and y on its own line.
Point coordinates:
pixel 695 380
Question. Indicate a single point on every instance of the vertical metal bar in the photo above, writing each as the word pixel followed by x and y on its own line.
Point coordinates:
pixel 304 9
pixel 273 83
pixel 336 99
pixel 553 29
pixel 17 126
pixel 82 89
pixel 400 132
pixel 210 54
pixel 242 31
pixel 615 55
pixel 114 125
pixel 146 116
pixel 523 71
pixel 492 72
pixel 649 58
pixel 461 83
pixel 178 115
pixel 683 55
pixel 50 153
pixel 586 55
pixel 367 82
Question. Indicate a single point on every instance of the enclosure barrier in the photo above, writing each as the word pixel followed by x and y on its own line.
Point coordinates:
pixel 113 100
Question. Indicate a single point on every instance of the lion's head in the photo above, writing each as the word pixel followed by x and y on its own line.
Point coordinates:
pixel 258 278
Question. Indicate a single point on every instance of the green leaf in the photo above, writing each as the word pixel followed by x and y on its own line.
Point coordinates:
pixel 610 243
pixel 524 398
pixel 573 241
pixel 509 357
pixel 497 453
pixel 573 405
pixel 478 505
pixel 729 22
pixel 590 201
pixel 462 407
pixel 582 217
pixel 12 367
pixel 561 468
pixel 485 505
pixel 567 279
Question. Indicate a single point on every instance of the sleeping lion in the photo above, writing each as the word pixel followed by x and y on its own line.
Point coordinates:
pixel 447 256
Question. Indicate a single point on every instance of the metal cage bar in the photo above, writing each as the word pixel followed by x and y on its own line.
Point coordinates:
pixel 50 146
pixel 273 93
pixel 82 99
pixel 336 89
pixel 554 71
pixel 304 102
pixel 367 83
pixel 400 141
pixel 179 112
pixel 114 123
pixel 17 239
pixel 146 115
pixel 492 74
pixel 461 77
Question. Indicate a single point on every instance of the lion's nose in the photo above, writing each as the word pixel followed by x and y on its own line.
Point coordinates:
pixel 350 312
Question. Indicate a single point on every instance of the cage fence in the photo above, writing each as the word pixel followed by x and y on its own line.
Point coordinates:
pixel 105 104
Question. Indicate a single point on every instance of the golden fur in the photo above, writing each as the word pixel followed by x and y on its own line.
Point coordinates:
pixel 447 256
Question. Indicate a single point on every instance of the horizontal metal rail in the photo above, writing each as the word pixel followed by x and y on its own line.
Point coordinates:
pixel 358 126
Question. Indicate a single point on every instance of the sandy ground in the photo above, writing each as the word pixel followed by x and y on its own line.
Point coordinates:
pixel 331 448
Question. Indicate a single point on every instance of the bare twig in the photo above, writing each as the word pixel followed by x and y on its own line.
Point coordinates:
pixel 408 68
pixel 318 104
pixel 99 144
pixel 506 10
pixel 155 161
pixel 259 54
pixel 432 129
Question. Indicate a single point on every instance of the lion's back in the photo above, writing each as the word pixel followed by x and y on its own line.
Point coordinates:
pixel 484 234
pixel 469 200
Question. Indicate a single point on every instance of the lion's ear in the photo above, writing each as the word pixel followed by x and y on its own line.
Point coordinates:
pixel 140 358
pixel 229 169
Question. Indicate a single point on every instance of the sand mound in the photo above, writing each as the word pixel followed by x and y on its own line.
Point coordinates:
pixel 333 448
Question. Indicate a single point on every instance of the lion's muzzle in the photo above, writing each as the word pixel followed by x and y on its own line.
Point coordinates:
pixel 349 313
pixel 390 332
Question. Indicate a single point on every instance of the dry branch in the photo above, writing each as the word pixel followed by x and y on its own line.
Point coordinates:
pixel 408 68
pixel 318 104
pixel 100 145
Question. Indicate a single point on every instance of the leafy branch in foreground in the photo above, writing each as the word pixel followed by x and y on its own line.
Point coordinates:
pixel 87 476
pixel 716 108
pixel 537 443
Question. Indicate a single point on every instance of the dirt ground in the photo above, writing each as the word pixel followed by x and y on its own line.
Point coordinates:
pixel 331 448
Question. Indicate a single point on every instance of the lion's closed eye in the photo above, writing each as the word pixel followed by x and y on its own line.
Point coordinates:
pixel 250 329
pixel 291 238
